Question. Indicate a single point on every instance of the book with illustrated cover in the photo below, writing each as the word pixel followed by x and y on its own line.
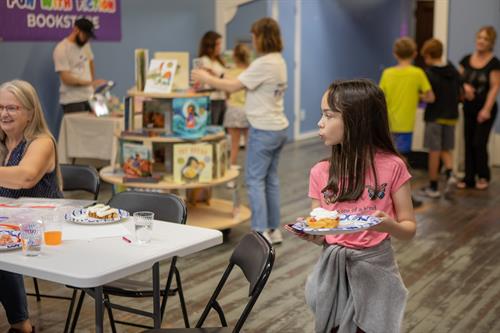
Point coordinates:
pixel 221 158
pixel 160 76
pixel 141 57
pixel 136 161
pixel 181 79
pixel 192 163
pixel 157 115
pixel 190 117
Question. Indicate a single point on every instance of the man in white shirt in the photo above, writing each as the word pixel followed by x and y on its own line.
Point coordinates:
pixel 74 62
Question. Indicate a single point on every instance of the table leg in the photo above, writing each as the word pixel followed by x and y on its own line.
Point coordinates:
pixel 98 309
pixel 156 295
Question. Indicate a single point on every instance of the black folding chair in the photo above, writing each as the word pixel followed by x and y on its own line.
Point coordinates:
pixel 255 257
pixel 167 207
pixel 74 178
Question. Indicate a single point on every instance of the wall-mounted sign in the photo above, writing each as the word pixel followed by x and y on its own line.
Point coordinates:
pixel 52 20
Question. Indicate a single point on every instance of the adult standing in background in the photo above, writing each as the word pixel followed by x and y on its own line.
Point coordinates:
pixel 210 54
pixel 481 81
pixel 74 62
pixel 265 81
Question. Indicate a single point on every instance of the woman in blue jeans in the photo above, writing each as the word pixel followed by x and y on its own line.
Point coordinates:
pixel 265 81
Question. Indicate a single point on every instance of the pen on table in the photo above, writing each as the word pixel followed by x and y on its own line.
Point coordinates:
pixel 126 239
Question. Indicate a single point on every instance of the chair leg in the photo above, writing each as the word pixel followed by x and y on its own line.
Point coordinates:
pixel 37 290
pixel 167 288
pixel 77 311
pixel 181 297
pixel 107 303
pixel 70 310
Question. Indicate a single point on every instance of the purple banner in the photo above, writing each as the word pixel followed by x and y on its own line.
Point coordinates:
pixel 52 20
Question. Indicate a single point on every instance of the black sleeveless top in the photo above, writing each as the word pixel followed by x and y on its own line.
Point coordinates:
pixel 46 188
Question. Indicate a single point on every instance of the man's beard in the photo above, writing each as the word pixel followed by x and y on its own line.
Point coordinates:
pixel 80 42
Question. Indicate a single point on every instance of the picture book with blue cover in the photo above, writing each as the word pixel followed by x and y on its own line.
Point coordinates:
pixel 190 117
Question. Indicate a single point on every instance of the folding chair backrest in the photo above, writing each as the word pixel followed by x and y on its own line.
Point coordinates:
pixel 255 257
pixel 80 178
pixel 166 206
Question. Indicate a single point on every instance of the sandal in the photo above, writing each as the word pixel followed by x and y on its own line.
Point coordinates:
pixel 461 185
pixel 482 184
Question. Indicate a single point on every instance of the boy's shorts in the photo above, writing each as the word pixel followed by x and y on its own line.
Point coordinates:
pixel 439 137
pixel 402 141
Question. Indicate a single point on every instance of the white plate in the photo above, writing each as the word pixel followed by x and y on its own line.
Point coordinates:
pixel 347 224
pixel 12 233
pixel 81 216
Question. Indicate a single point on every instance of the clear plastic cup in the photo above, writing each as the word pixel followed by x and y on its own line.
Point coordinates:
pixel 143 222
pixel 52 229
pixel 31 238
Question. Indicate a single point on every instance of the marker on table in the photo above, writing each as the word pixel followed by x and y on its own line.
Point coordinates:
pixel 126 239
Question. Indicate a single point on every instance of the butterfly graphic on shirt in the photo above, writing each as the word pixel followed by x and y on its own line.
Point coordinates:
pixel 376 192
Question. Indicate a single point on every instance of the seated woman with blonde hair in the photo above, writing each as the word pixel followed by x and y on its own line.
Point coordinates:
pixel 29 169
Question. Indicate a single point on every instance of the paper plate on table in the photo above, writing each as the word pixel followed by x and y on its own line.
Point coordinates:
pixel 10 237
pixel 347 224
pixel 81 216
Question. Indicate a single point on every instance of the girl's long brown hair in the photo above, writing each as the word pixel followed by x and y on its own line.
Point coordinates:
pixel 207 46
pixel 366 132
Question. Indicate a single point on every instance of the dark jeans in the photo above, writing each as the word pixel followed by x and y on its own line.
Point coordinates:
pixel 476 137
pixel 13 297
pixel 76 107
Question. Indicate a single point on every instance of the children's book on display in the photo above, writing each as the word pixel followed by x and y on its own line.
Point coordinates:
pixel 141 58
pixel 160 76
pixel 190 117
pixel 221 158
pixel 157 115
pixel 192 163
pixel 137 163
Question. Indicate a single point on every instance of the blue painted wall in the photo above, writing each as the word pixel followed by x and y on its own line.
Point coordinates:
pixel 465 19
pixel 287 24
pixel 157 25
pixel 239 27
pixel 344 39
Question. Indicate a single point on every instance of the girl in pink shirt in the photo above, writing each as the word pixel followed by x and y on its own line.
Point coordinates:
pixel 356 286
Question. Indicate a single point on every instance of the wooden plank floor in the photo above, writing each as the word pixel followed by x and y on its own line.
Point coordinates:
pixel 451 267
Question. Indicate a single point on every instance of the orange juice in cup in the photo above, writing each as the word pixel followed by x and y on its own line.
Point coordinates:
pixel 52 229
pixel 53 237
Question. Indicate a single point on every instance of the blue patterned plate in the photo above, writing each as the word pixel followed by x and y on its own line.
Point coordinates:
pixel 10 237
pixel 80 216
pixel 347 224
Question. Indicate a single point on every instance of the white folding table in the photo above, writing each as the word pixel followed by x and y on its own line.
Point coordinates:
pixel 90 264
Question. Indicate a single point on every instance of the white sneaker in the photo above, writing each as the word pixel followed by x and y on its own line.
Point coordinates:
pixel 267 236
pixel 429 192
pixel 276 236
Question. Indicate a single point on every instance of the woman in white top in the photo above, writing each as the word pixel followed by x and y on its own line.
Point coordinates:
pixel 209 52
pixel 265 82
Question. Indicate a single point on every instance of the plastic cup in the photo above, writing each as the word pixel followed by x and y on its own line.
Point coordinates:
pixel 52 230
pixel 143 226
pixel 31 238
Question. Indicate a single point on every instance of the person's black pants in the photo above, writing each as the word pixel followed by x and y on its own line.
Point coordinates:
pixel 476 137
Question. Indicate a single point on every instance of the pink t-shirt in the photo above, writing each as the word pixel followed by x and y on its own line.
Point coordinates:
pixel 391 175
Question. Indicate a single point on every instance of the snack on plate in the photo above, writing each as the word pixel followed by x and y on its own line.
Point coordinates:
pixel 9 234
pixel 321 218
pixel 101 211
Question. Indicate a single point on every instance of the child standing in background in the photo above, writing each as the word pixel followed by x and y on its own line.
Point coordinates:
pixel 441 116
pixel 210 54
pixel 403 86
pixel 355 285
pixel 235 119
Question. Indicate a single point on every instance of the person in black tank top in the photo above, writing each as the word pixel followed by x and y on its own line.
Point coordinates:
pixel 29 168
pixel 481 86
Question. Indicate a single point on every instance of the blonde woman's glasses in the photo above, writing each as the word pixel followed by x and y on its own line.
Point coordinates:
pixel 11 109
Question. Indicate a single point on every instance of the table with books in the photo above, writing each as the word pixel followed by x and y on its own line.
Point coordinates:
pixel 169 154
